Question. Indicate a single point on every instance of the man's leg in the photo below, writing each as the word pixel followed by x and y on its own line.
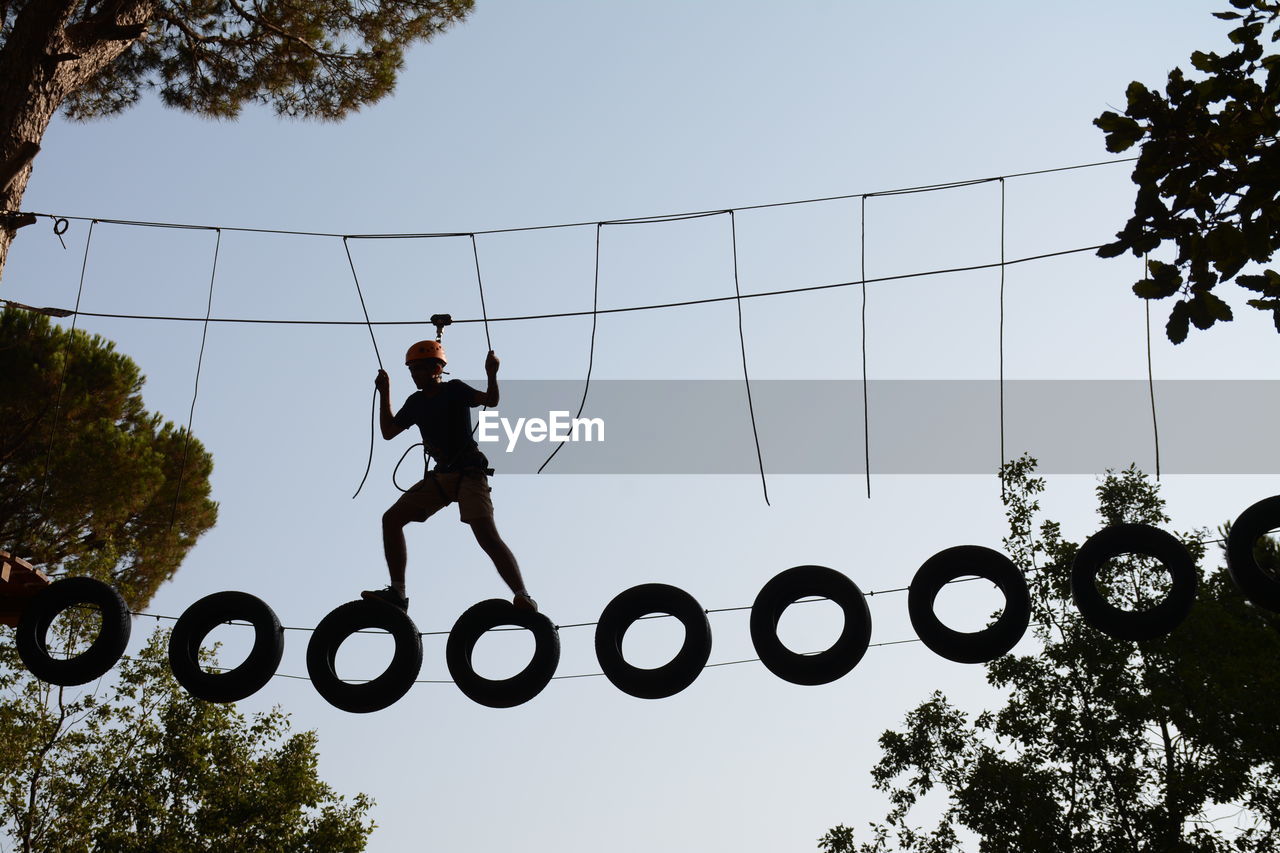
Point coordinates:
pixel 393 523
pixel 504 561
pixel 417 504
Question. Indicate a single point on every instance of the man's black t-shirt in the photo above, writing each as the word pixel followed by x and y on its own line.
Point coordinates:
pixel 445 423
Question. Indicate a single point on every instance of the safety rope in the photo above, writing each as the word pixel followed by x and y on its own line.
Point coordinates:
pixel 360 293
pixel 195 390
pixel 484 314
pixel 1151 383
pixel 1001 336
pixel 866 405
pixel 62 377
pixel 742 342
pixel 368 325
pixel 591 352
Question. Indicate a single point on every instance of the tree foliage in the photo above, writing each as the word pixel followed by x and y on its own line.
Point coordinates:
pixel 1208 173
pixel 145 766
pixel 91 483
pixel 303 58
pixel 1102 745
pixel 318 58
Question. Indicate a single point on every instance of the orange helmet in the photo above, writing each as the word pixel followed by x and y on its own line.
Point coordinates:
pixel 425 349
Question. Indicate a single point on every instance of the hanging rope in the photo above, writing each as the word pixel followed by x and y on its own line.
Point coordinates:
pixel 742 342
pixel 1001 334
pixel 1151 384
pixel 195 390
pixel 62 377
pixel 484 314
pixel 368 465
pixel 866 409
pixel 591 352
pixel 360 293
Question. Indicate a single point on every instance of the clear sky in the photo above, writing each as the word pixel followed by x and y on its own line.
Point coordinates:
pixel 533 114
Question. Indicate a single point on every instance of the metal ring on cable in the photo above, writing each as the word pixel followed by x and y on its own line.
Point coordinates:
pixel 1133 539
pixel 102 653
pixel 380 692
pixel 202 617
pixel 505 692
pixel 785 589
pixel 673 676
pixel 969 646
pixel 1258 585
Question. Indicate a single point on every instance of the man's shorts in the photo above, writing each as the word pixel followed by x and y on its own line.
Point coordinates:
pixel 426 497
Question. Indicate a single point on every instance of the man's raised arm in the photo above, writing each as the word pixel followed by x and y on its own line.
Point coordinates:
pixel 390 429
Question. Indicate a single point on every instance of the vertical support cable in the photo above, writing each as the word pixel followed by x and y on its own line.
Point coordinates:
pixel 368 325
pixel 195 390
pixel 480 284
pixel 62 378
pixel 866 411
pixel 742 342
pixel 1151 384
pixel 360 293
pixel 591 353
pixel 1001 342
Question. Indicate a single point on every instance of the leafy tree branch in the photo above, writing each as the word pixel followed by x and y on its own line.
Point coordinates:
pixel 1208 174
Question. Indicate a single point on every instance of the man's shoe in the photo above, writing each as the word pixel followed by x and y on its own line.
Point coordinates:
pixel 388 596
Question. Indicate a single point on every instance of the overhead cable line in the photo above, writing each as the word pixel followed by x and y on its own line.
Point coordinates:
pixel 668 217
pixel 627 309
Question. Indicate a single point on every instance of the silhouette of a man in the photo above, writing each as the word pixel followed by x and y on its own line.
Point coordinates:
pixel 442 412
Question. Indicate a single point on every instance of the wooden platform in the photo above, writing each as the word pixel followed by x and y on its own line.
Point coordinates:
pixel 19 581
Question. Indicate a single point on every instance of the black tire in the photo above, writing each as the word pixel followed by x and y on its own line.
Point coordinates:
pixel 672 677
pixel 969 646
pixel 387 688
pixel 506 692
pixel 103 652
pixel 202 617
pixel 1133 625
pixel 783 590
pixel 1257 585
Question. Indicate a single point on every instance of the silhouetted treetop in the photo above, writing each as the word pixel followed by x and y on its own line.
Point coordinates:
pixel 1208 173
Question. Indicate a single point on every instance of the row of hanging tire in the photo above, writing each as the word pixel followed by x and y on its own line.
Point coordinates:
pixel 779 593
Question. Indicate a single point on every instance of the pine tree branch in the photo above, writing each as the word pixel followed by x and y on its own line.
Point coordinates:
pixel 284 34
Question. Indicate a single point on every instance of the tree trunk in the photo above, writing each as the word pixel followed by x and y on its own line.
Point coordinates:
pixel 52 50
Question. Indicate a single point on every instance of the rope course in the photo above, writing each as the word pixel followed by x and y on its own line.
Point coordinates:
pixel 941 570
pixel 591 624
pixel 61 224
